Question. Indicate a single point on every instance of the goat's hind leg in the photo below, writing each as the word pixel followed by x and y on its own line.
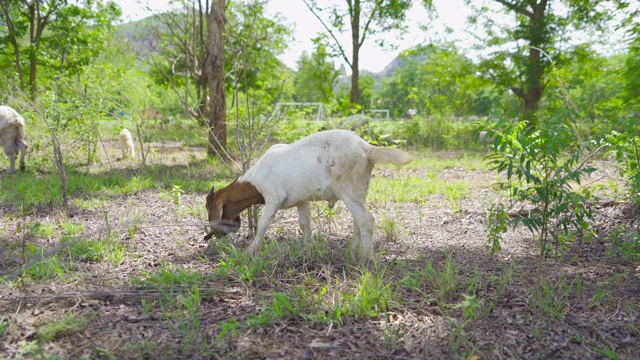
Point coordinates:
pixel 22 146
pixel 364 222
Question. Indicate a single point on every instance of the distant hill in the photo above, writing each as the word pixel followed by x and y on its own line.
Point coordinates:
pixel 140 35
pixel 398 62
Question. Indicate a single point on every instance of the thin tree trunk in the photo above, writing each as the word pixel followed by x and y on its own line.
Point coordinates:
pixel 214 67
pixel 355 63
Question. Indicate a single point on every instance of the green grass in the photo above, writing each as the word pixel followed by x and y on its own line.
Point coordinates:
pixel 27 189
pixel 414 189
pixel 46 268
pixel 434 162
pixel 110 249
pixel 66 326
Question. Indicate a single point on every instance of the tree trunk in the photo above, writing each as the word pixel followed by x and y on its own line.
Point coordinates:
pixel 214 67
pixel 33 39
pixel 534 86
pixel 355 62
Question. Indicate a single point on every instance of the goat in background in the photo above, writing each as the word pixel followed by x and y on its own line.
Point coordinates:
pixel 12 134
pixel 329 165
pixel 126 144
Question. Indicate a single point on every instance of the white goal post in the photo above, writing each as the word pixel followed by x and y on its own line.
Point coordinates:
pixel 320 106
pixel 381 111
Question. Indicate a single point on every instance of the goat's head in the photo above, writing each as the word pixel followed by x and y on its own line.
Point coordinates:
pixel 220 221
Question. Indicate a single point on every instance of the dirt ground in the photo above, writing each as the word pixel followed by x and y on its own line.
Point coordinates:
pixel 594 289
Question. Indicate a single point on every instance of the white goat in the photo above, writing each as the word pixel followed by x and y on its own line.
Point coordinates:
pixel 12 135
pixel 329 165
pixel 126 144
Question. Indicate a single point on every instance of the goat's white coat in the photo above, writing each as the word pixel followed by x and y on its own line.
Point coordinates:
pixel 12 135
pixel 329 165
pixel 126 144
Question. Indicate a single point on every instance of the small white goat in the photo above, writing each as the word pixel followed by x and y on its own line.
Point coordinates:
pixel 329 165
pixel 126 144
pixel 12 135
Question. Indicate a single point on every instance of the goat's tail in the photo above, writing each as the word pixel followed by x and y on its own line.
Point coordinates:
pixel 381 155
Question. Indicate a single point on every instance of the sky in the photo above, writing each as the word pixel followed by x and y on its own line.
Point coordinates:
pixel 451 13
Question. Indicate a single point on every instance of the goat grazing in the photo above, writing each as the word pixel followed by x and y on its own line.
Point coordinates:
pixel 126 144
pixel 329 165
pixel 12 135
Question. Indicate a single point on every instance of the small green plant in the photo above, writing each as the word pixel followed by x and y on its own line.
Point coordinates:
pixel 445 280
pixel 176 193
pixel 599 297
pixel 497 224
pixel 390 227
pixel 455 193
pixel 539 172
pixel 68 325
pixel 115 254
pixel 169 280
pixel 30 350
pixel 624 243
pixel 459 342
pixel 70 228
pixel 393 334
pixel 228 329
pixel 235 263
pixel 372 296
pixel 4 324
pixel 608 353
pixel 470 307
pixel 88 250
pixel 281 305
pixel 187 316
pixel 46 268
pixel 554 297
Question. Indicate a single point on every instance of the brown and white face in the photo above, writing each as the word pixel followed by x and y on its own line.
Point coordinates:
pixel 220 222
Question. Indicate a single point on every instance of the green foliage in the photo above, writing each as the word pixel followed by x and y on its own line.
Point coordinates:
pixel 540 173
pixel 625 144
pixel 522 54
pixel 437 133
pixel 316 74
pixel 69 38
pixel 632 67
pixel 624 244
pixel 365 19
pixel 437 80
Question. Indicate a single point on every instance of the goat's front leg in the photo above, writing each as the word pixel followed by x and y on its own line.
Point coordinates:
pixel 266 219
pixel 304 218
